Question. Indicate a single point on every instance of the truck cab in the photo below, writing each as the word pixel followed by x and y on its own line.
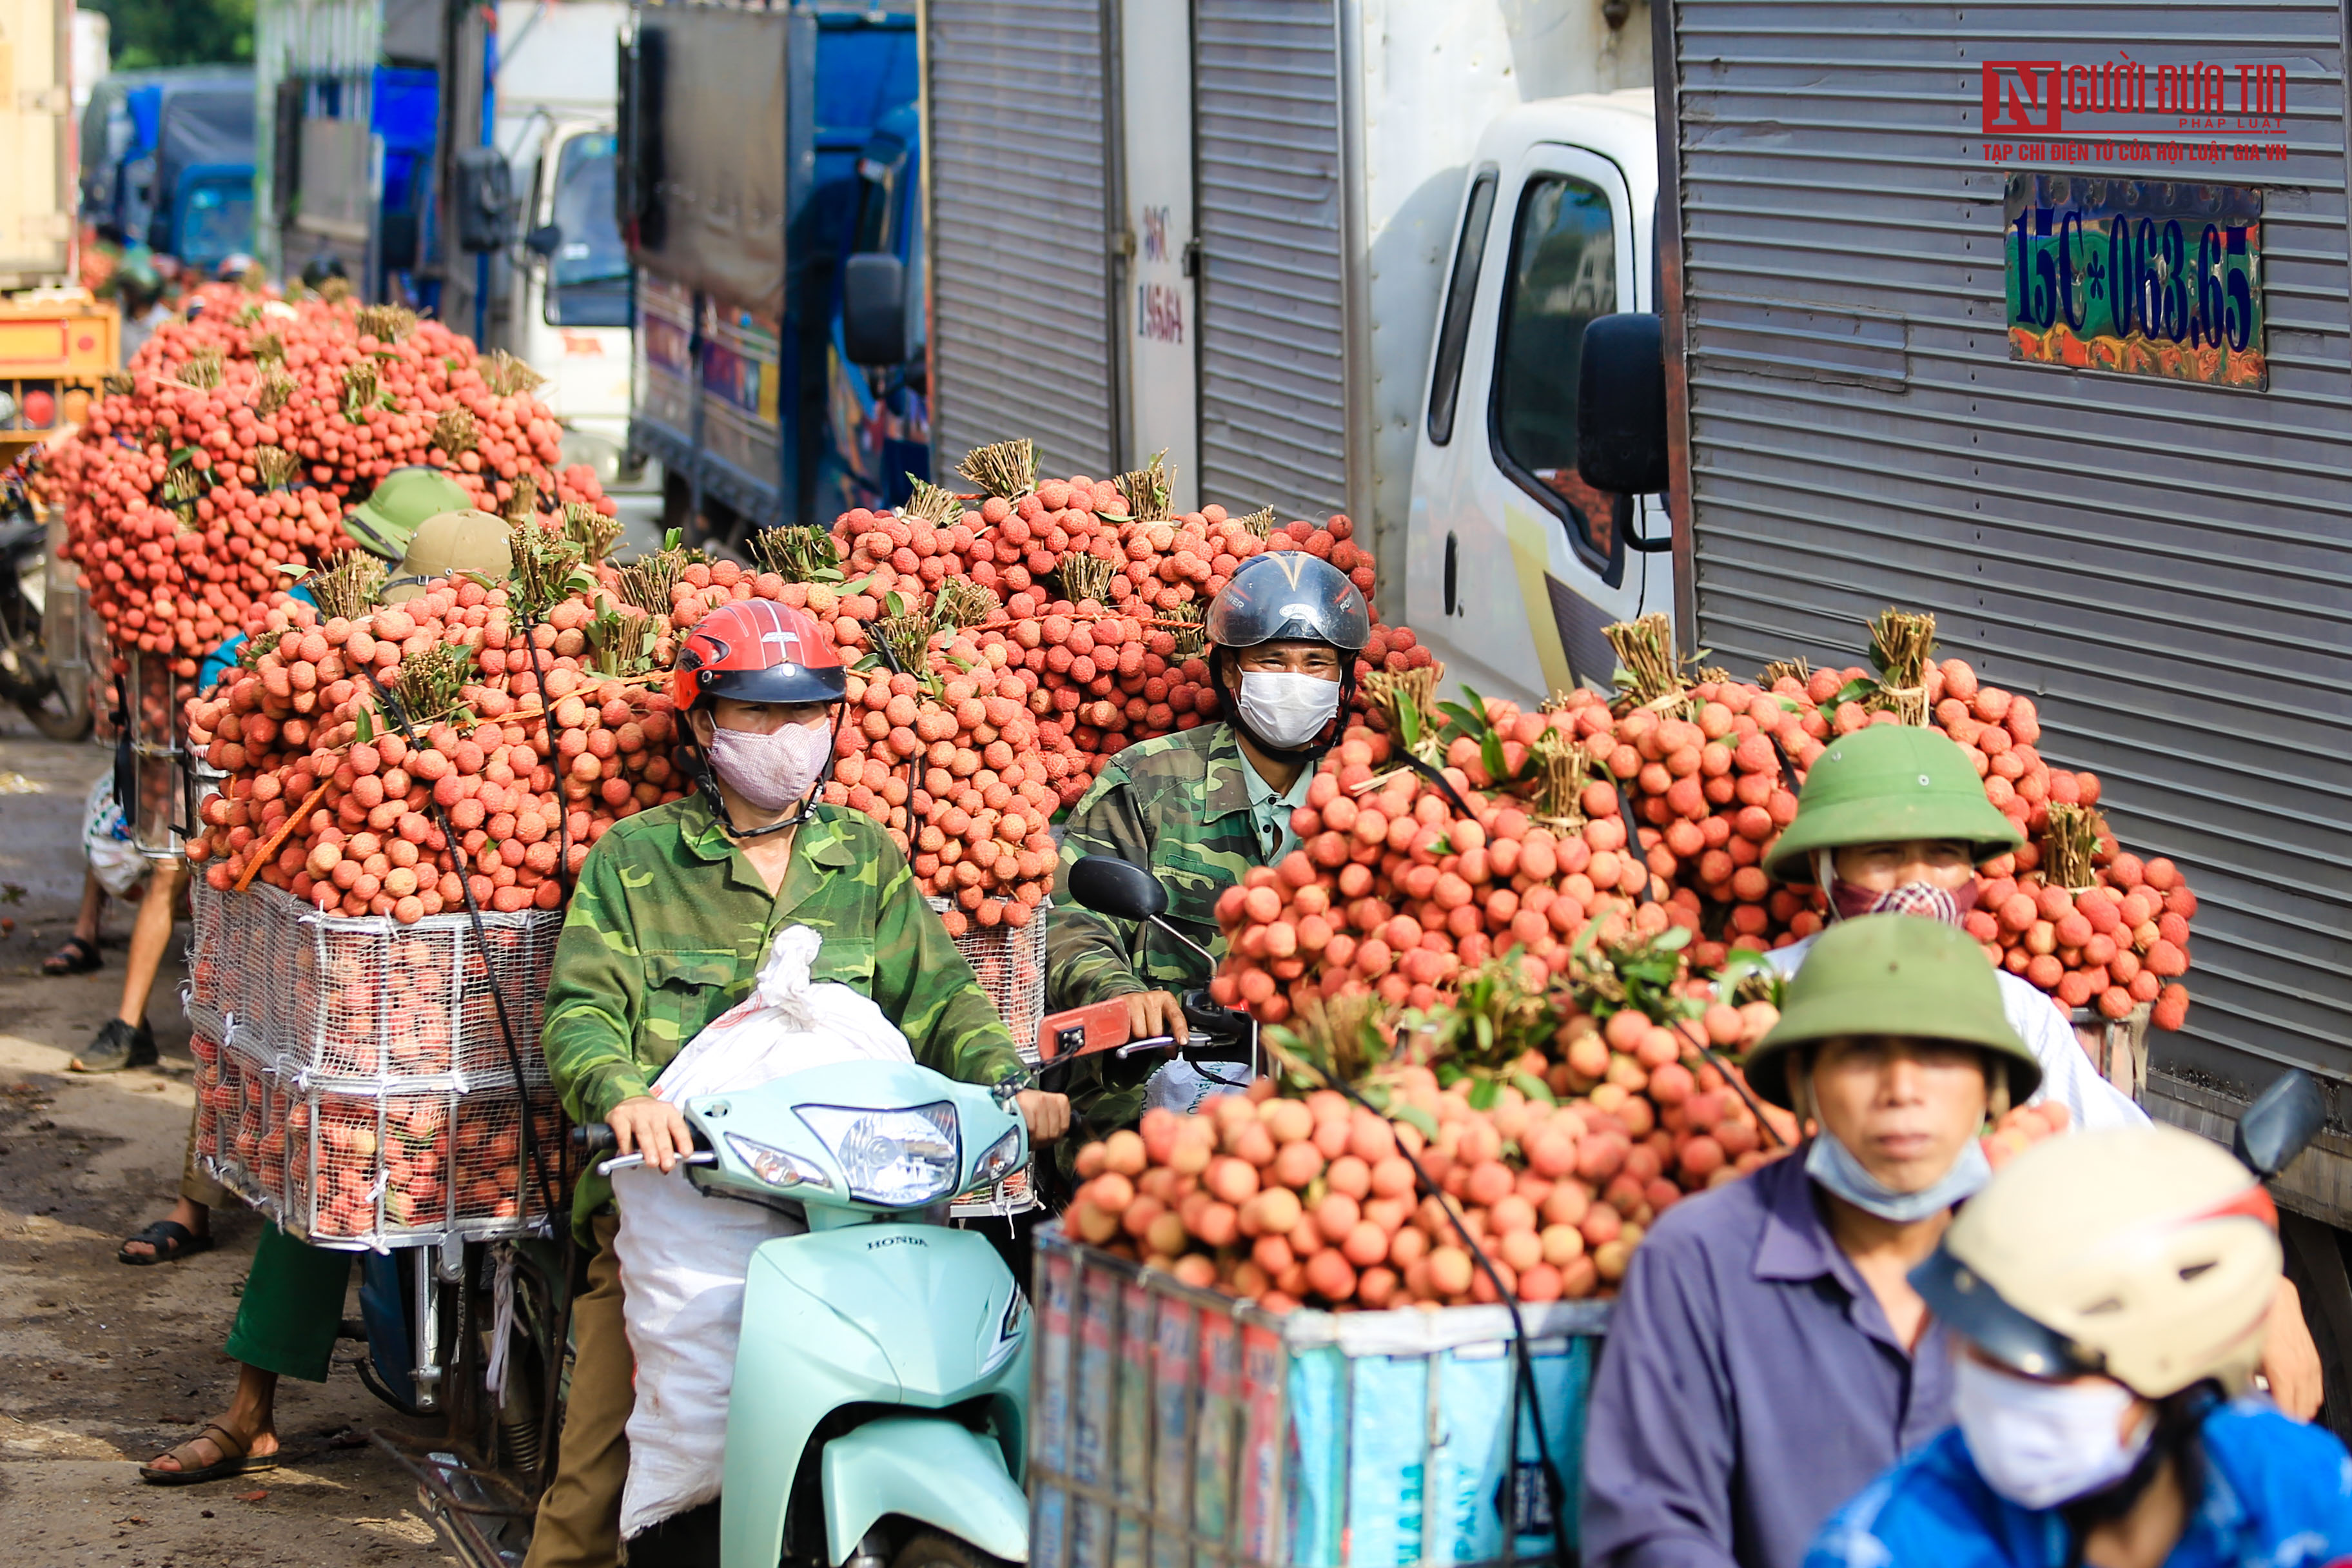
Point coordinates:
pixel 571 310
pixel 1514 565
pixel 200 186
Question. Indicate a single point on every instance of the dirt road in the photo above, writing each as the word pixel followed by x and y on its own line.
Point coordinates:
pixel 107 1366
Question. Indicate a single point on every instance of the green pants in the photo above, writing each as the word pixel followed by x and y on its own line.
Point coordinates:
pixel 292 1309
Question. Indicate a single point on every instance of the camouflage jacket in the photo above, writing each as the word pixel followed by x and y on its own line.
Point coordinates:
pixel 1179 806
pixel 667 927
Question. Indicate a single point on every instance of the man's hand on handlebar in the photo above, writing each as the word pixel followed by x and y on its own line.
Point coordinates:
pixel 1048 1116
pixel 1150 1013
pixel 654 1127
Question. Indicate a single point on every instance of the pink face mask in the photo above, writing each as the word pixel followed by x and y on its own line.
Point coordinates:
pixel 772 771
pixel 1905 899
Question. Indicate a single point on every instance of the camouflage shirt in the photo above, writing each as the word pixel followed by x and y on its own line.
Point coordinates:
pixel 669 923
pixel 1180 808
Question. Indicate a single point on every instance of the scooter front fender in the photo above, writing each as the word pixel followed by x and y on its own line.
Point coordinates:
pixel 927 1469
pixel 817 1310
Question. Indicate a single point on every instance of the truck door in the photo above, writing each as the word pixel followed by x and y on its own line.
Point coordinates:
pixel 1515 564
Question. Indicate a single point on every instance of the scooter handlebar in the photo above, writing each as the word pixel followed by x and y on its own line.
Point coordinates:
pixel 593 1138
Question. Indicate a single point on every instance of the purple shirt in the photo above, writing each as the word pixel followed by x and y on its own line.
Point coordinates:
pixel 1751 1385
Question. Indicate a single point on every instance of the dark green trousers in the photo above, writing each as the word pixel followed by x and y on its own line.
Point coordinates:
pixel 292 1309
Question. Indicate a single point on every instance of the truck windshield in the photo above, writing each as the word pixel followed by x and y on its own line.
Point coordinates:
pixel 589 275
pixel 219 223
pixel 1563 274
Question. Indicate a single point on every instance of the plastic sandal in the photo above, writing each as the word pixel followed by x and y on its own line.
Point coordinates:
pixel 233 1460
pixel 73 956
pixel 170 1240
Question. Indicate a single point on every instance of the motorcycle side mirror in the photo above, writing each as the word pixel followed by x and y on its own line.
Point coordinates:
pixel 1113 886
pixel 2280 1124
pixel 544 240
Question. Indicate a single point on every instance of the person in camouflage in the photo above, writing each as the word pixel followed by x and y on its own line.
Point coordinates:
pixel 1200 807
pixel 675 908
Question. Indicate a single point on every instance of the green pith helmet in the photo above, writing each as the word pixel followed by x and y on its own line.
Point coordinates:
pixel 384 524
pixel 1893 974
pixel 450 543
pixel 1890 783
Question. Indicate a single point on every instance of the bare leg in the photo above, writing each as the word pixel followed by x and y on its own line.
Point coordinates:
pixel 150 938
pixel 93 909
pixel 252 1415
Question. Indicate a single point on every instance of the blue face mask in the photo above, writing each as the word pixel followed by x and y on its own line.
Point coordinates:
pixel 1832 1165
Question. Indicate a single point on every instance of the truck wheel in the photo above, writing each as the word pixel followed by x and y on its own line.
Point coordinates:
pixel 930 1549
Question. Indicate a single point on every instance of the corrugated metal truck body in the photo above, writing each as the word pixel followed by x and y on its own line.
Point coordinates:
pixel 2159 552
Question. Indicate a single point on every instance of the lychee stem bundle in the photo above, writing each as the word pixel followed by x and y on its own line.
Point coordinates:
pixel 1648 671
pixel 347 583
pixel 1005 469
pixel 1902 643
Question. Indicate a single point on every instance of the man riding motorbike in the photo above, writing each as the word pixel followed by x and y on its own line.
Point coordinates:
pixel 1200 807
pixel 2109 1293
pixel 291 1310
pixel 1768 1356
pixel 674 910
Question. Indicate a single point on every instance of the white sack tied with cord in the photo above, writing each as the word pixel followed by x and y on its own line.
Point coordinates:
pixel 684 1255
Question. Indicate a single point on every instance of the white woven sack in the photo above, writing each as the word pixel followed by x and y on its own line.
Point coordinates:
pixel 684 1255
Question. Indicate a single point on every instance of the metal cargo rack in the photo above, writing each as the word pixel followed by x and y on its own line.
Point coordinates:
pixel 1182 1429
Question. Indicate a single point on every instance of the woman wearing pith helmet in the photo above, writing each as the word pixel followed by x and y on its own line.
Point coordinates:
pixel 1893 820
pixel 1767 1356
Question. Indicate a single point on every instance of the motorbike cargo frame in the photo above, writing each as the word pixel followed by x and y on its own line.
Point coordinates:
pixel 1182 1429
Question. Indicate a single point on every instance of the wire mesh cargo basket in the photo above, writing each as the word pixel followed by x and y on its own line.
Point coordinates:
pixel 1011 965
pixel 389 1167
pixel 378 1166
pixel 354 1082
pixel 1182 1428
pixel 369 997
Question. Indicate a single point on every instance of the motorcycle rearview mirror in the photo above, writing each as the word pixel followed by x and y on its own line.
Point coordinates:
pixel 2280 1124
pixel 1109 886
pixel 1621 404
pixel 544 241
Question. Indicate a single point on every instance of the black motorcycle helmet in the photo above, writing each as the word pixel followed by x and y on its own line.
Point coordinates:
pixel 1287 595
pixel 321 268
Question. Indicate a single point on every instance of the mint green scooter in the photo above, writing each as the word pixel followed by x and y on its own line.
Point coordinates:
pixel 879 1413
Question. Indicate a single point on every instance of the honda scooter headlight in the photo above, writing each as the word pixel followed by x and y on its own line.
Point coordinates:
pixel 1004 1158
pixel 777 1167
pixel 900 1158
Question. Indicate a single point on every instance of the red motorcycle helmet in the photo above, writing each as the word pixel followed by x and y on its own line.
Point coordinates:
pixel 756 650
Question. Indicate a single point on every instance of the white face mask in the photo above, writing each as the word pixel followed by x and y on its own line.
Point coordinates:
pixel 1285 710
pixel 2042 1444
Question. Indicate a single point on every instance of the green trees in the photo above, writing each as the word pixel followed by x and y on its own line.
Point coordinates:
pixel 150 33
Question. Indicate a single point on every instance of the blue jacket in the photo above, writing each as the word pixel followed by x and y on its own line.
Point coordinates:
pixel 2278 1494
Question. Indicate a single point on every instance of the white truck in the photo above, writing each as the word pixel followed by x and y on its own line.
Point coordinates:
pixel 2052 347
pixel 565 309
pixel 1276 185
